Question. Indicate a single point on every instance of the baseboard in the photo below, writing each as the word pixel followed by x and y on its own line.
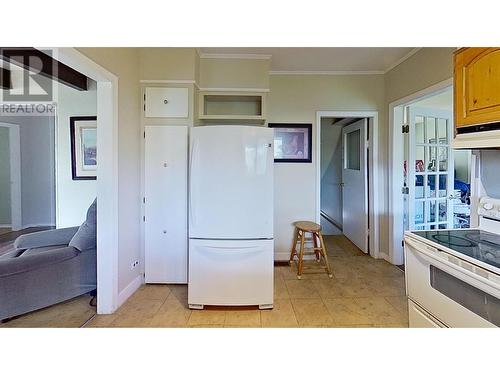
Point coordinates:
pixel 385 257
pixel 25 226
pixel 5 225
pixel 281 256
pixel 129 290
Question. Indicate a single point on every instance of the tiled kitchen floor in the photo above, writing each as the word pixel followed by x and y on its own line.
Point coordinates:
pixel 363 293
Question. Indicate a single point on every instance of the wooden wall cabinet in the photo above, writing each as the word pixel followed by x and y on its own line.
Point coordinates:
pixel 476 86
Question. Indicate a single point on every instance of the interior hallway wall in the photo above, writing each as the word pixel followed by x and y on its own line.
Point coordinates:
pixel 5 217
pixel 296 98
pixel 73 196
pixel 331 169
pixel 37 138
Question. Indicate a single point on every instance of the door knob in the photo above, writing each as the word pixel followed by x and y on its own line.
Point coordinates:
pixel 165 101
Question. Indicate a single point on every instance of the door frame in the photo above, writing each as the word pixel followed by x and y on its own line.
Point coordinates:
pixel 396 159
pixel 16 221
pixel 108 297
pixel 375 171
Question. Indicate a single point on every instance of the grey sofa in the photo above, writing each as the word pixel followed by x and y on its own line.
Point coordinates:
pixel 49 267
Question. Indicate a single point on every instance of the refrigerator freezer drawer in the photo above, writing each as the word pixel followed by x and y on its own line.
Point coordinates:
pixel 230 272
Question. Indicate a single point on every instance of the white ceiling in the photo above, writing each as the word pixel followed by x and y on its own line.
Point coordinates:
pixel 328 59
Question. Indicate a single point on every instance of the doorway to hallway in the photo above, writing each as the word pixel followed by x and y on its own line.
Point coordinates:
pixel 345 178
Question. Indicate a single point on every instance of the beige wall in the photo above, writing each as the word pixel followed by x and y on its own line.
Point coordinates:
pixel 168 63
pixel 234 73
pixel 124 63
pixel 425 68
pixel 295 98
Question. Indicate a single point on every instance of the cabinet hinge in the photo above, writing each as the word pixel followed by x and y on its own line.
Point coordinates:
pixel 405 129
pixel 144 135
pixel 144 200
pixel 405 190
pixel 403 243
pixel 144 102
pixel 144 218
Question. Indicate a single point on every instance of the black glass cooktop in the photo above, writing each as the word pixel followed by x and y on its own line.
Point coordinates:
pixel 477 244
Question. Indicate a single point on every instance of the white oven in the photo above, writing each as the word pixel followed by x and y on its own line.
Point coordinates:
pixel 444 290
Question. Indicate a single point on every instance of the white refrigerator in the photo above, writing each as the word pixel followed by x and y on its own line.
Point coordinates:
pixel 231 252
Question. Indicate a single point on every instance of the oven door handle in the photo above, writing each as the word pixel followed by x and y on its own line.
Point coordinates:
pixel 419 247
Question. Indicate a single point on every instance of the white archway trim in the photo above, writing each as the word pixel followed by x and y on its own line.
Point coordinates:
pixel 396 159
pixel 107 174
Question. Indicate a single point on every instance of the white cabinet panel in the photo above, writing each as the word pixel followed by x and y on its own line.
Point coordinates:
pixel 166 204
pixel 420 319
pixel 167 102
pixel 226 272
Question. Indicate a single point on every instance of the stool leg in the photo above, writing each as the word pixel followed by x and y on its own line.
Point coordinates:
pixel 301 255
pixel 293 252
pixel 323 249
pixel 317 252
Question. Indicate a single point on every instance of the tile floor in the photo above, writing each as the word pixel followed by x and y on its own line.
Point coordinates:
pixel 363 293
pixel 70 314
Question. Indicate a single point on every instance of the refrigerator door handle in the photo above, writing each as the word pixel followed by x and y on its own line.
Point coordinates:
pixel 192 217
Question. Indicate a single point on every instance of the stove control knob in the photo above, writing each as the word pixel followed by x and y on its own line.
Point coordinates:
pixel 488 206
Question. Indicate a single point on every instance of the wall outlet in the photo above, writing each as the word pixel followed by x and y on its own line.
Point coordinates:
pixel 134 264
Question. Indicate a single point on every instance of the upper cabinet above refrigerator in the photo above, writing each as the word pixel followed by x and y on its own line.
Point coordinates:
pixel 477 97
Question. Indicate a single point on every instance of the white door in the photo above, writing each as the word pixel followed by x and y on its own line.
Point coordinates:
pixel 13 193
pixel 231 182
pixel 172 102
pixel 165 204
pixel 430 169
pixel 355 184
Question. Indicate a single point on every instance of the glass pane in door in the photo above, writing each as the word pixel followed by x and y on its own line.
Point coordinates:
pixel 353 150
pixel 442 129
pixel 419 130
pixel 432 172
pixel 430 130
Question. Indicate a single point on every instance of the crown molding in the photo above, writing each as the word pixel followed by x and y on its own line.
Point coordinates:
pixel 403 59
pixel 243 56
pixel 324 72
pixel 232 89
pixel 178 81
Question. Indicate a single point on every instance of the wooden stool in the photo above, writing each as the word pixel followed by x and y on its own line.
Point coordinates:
pixel 301 228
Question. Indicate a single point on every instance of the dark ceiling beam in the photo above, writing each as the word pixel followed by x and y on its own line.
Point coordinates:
pixel 5 81
pixel 37 61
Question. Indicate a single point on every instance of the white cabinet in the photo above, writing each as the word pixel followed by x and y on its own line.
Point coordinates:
pixel 166 102
pixel 165 185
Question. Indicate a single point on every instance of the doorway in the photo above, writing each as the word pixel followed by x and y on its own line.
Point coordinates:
pixel 10 178
pixel 347 177
pixel 433 179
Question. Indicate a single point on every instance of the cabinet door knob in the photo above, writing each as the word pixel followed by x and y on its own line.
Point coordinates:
pixel 165 101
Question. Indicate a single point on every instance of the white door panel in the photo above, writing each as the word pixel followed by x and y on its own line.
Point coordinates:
pixel 354 178
pixel 170 102
pixel 231 182
pixel 166 204
pixel 225 272
pixel 430 169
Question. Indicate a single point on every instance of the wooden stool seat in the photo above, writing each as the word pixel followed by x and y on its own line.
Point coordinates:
pixel 301 228
pixel 307 226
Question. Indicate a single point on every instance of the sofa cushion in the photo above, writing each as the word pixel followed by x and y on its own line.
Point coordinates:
pixel 22 263
pixel 86 236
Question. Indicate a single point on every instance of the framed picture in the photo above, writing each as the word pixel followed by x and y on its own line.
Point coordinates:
pixel 292 143
pixel 83 132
